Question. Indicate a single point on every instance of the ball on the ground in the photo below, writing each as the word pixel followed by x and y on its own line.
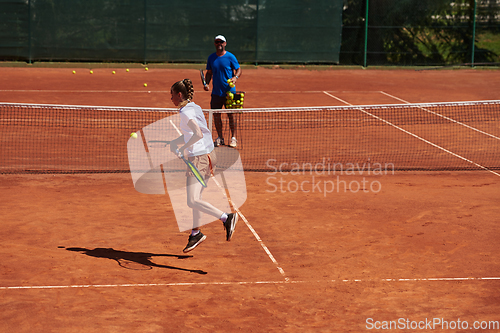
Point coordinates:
pixel 146 68
pixel 114 72
pixel 91 72
pixel 74 72
pixel 145 84
pixel 127 69
pixel 133 135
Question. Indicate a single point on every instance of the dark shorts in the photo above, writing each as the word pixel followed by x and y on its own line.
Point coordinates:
pixel 217 102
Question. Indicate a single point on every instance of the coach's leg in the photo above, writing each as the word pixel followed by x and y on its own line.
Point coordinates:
pixel 232 124
pixel 216 104
pixel 218 124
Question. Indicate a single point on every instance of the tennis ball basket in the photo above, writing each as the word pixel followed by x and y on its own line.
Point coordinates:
pixel 235 100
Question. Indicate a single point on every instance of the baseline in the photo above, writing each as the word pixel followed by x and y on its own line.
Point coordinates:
pixel 181 284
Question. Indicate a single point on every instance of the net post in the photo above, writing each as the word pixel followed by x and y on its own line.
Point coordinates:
pixel 210 119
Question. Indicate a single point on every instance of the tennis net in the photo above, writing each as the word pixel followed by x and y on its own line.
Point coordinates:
pixel 426 136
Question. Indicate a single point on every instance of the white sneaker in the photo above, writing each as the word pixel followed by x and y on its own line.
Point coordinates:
pixel 234 142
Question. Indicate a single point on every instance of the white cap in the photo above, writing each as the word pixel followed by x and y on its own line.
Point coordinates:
pixel 222 38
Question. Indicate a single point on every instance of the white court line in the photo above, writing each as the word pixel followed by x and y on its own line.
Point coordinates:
pixel 341 100
pixel 263 245
pixel 183 284
pixel 447 118
pixel 420 138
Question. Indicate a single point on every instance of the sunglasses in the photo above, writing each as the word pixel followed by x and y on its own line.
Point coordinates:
pixel 218 41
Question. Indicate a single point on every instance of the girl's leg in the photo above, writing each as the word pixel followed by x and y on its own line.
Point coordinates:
pixel 194 190
pixel 194 201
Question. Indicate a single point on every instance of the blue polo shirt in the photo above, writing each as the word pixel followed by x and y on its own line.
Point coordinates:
pixel 222 70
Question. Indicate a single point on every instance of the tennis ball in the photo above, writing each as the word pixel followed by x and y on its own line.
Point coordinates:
pixel 242 95
pixel 114 72
pixel 133 135
pixel 146 68
pixel 74 72
pixel 127 69
pixel 91 72
pixel 145 84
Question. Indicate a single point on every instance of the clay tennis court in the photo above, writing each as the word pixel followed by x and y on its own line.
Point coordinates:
pixel 412 245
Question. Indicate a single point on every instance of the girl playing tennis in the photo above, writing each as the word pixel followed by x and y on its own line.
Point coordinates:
pixel 196 141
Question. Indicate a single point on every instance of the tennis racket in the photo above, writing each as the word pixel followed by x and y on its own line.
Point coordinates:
pixel 190 165
pixel 203 78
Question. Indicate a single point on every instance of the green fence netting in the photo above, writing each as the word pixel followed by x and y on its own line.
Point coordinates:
pixel 359 32
pixel 420 32
pixel 170 31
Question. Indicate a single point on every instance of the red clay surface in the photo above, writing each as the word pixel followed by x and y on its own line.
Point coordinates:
pixel 416 246
pixel 264 87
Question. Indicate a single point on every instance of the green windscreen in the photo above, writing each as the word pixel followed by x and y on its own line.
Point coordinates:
pixel 170 31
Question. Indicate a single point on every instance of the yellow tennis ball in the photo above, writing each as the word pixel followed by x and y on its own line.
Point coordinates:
pixel 242 95
pixel 91 72
pixel 74 72
pixel 114 72
pixel 145 84
pixel 127 69
pixel 146 68
pixel 133 135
